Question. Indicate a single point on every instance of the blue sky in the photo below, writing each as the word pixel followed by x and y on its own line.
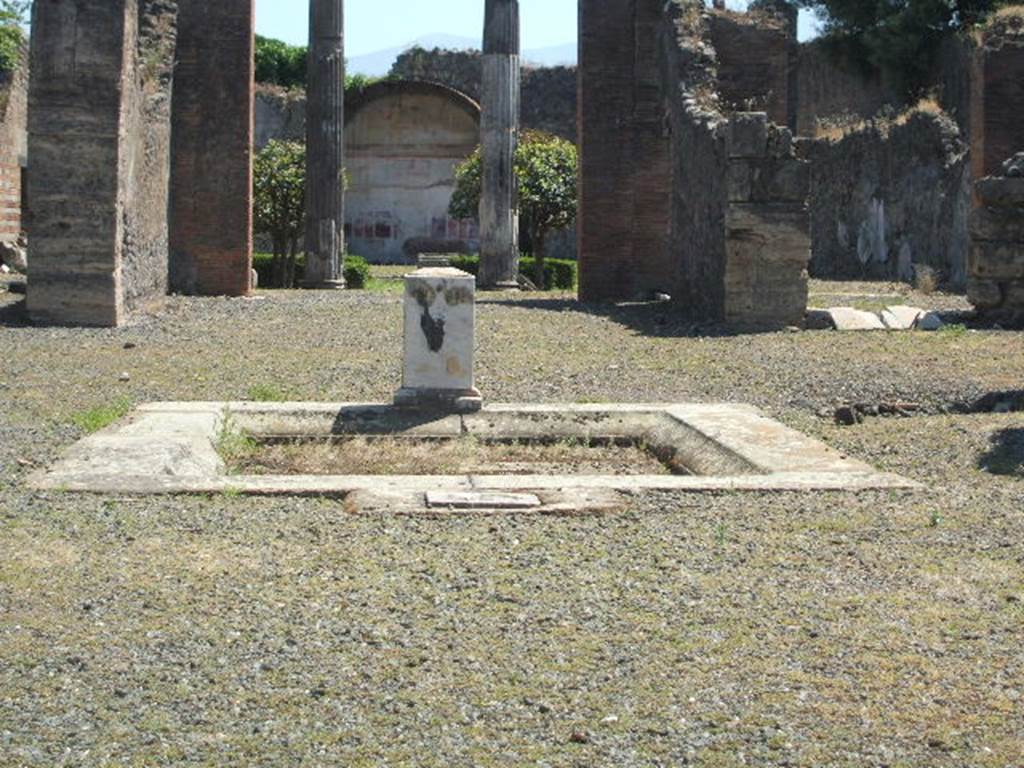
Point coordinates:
pixel 371 25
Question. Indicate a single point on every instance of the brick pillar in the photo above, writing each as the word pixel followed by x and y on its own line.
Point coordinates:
pixel 211 158
pixel 78 63
pixel 997 100
pixel 625 173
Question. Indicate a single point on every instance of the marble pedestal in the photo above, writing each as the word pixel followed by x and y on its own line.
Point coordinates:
pixel 437 368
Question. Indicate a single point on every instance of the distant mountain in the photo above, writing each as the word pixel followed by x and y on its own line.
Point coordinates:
pixel 378 63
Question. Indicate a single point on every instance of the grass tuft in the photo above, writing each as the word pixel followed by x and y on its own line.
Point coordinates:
pixel 102 416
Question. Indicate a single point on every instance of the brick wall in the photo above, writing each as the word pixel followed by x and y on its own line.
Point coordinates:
pixel 13 150
pixel 211 159
pixel 996 286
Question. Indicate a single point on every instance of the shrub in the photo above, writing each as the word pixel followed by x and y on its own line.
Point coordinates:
pixel 279 207
pixel 356 272
pixel 559 274
pixel 545 168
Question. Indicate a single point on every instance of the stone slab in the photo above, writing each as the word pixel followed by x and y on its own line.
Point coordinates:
pixel 481 500
pixel 850 319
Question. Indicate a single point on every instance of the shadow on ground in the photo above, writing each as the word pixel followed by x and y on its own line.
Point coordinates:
pixel 1006 454
pixel 652 318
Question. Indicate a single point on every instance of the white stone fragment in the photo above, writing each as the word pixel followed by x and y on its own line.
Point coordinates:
pixel 850 319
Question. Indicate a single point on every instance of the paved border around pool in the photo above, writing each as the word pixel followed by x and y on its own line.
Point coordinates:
pixel 167 448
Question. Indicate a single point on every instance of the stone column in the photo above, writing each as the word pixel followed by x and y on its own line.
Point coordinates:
pixel 499 127
pixel 325 124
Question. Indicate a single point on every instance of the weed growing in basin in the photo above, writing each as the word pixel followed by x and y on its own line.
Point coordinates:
pixel 102 416
pixel 233 444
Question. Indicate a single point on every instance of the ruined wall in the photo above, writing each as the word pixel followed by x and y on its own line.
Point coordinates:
pixel 548 101
pixel 755 58
pixel 402 143
pixel 280 114
pixel 739 215
pixel 997 95
pixel 834 87
pixel 624 223
pixel 98 127
pixel 13 147
pixel 211 186
pixel 996 285
pixel 890 196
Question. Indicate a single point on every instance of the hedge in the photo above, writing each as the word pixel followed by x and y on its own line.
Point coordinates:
pixel 356 271
pixel 559 274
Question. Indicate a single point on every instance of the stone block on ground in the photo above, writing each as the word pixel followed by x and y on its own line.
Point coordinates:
pixel 929 321
pixel 850 319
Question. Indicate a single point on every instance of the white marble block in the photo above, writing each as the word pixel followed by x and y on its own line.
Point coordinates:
pixel 437 363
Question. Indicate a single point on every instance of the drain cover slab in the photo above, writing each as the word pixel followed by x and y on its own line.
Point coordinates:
pixel 475 500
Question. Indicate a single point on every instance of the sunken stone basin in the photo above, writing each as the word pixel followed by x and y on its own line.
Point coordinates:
pixel 174 448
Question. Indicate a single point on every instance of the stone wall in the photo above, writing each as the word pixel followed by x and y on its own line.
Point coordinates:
pixel 279 114
pixel 739 213
pixel 755 59
pixel 211 191
pixel 996 284
pixel 13 147
pixel 549 94
pixel 98 126
pixel 889 196
pixel 833 88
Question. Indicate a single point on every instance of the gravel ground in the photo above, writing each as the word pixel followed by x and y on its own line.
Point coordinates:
pixel 713 629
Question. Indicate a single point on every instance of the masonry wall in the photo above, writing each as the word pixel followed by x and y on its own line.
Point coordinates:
pixel 97 139
pixel 279 114
pixel 755 57
pixel 548 101
pixel 740 225
pixel 835 88
pixel 13 147
pixel 996 285
pixel 211 184
pixel 888 197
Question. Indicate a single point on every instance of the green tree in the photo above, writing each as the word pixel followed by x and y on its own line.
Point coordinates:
pixel 898 37
pixel 13 13
pixel 279 203
pixel 546 171
pixel 278 63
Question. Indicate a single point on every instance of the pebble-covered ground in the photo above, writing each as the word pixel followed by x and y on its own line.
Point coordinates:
pixel 712 630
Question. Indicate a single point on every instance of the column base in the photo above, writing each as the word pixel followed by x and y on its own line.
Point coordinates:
pixel 325 285
pixel 444 400
pixel 501 286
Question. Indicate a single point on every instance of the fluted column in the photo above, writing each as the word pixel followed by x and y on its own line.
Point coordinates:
pixel 499 127
pixel 325 124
